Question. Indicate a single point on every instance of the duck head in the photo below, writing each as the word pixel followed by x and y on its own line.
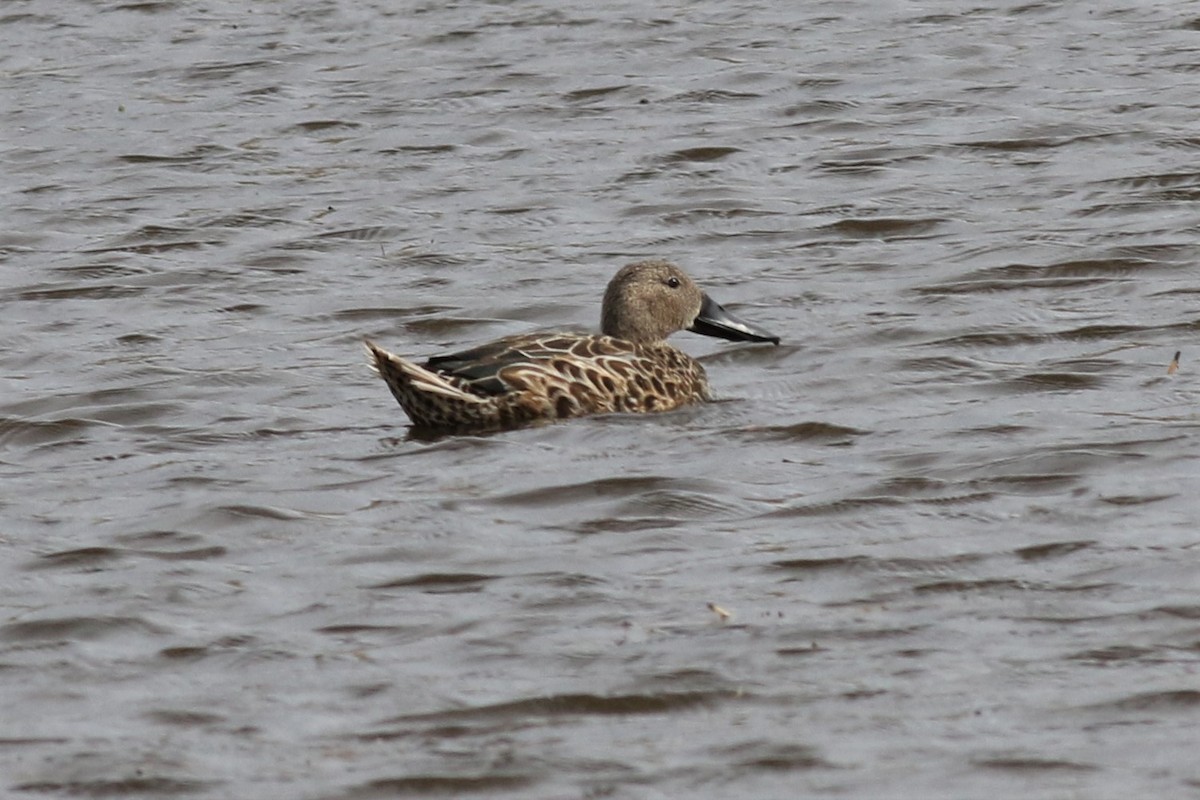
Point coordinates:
pixel 649 300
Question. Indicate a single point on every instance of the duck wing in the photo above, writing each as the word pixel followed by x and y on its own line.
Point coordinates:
pixel 487 369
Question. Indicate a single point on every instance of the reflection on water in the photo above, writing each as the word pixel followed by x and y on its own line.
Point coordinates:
pixel 948 518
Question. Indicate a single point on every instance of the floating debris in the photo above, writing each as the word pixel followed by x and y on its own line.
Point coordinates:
pixel 1173 367
pixel 720 612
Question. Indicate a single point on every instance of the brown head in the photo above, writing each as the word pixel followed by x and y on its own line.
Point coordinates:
pixel 649 300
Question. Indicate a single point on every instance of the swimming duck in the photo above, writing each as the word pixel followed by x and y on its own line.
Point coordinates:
pixel 628 367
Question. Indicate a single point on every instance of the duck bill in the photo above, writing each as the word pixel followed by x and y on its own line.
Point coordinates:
pixel 713 320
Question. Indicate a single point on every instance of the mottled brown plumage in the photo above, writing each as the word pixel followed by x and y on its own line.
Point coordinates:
pixel 521 379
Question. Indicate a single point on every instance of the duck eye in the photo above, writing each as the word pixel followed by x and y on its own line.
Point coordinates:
pixel 673 282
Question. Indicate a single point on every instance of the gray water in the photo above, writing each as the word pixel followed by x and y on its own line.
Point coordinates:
pixel 951 519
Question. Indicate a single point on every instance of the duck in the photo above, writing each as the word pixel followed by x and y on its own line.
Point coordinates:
pixel 528 378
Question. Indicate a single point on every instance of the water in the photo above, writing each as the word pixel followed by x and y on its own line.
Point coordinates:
pixel 950 519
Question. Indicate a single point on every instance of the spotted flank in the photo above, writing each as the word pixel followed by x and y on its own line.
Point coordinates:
pixel 522 379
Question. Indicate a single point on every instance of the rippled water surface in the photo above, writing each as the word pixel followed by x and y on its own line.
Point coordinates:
pixel 941 542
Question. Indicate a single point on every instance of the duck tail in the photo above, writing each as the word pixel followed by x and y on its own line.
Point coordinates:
pixel 423 394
